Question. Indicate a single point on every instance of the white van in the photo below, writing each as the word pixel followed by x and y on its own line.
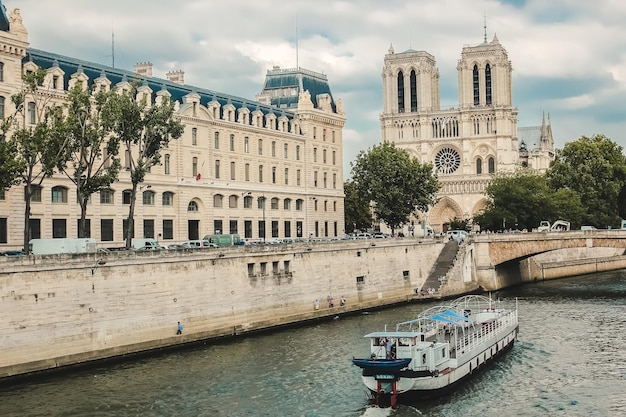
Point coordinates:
pixel 587 228
pixel 145 244
pixel 458 235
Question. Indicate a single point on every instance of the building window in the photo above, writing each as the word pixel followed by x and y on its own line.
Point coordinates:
pixel 59 195
pixel 218 201
pixel 106 230
pixel 287 204
pixel 87 227
pixel 247 229
pixel 59 228
pixel 297 152
pixel 232 142
pixel 299 203
pixel 106 196
pixel 232 171
pixel 148 199
pixel 168 229
pixel 167 164
pixel 298 177
pixel 479 166
pixel 314 178
pixel 286 151
pixel 192 206
pixel 400 92
pixel 246 172
pixel 126 196
pixel 413 85
pixel 194 136
pixel 488 84
pixel 35 193
pixel 246 145
pixel 247 202
pixel 324 156
pixel 260 173
pixel 232 202
pixel 286 176
pixel 314 132
pixel 492 165
pixel 217 168
pixel 168 198
pixel 287 232
pixel 31 113
pixel 274 149
pixel 476 86
pixel 1 71
pixel 273 175
pixel 2 107
pixel 233 227
pixel 334 180
pixel 325 180
pixel 274 203
pixel 314 154
pixel 194 166
pixel 216 143
pixel 260 146
pixel 148 228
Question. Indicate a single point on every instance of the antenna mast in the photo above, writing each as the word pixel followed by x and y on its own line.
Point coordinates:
pixel 297 50
pixel 485 26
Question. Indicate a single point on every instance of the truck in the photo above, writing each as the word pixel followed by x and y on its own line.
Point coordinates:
pixel 224 240
pixel 557 226
pixel 61 245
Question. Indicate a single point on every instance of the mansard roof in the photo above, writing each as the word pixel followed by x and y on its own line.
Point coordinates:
pixel 529 135
pixel 282 80
pixel 93 70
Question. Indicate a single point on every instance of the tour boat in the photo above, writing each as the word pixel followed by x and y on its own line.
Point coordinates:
pixel 430 355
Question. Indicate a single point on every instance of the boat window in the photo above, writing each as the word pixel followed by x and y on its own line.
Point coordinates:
pixel 423 359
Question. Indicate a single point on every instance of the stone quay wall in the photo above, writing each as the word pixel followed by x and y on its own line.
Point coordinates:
pixel 67 309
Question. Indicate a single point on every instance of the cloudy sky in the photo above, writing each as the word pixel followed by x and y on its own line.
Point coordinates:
pixel 569 56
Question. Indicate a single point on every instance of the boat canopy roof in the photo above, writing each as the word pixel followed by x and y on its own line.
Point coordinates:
pixel 394 334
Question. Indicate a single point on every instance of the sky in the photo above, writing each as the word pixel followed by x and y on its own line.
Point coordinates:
pixel 568 56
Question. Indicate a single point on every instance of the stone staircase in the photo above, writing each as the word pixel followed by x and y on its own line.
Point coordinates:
pixel 445 261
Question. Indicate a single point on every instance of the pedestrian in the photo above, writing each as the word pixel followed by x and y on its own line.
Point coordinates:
pixel 342 301
pixel 179 330
pixel 317 304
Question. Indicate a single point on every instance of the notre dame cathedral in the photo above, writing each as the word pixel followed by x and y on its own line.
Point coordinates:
pixel 467 144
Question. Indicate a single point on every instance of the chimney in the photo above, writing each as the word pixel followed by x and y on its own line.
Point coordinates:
pixel 144 69
pixel 177 77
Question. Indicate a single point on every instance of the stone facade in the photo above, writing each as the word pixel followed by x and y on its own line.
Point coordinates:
pixel 255 168
pixel 468 144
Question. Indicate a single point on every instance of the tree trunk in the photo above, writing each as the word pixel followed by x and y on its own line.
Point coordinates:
pixel 131 214
pixel 27 197
pixel 83 217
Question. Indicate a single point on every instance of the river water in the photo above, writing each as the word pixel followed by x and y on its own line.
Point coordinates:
pixel 569 360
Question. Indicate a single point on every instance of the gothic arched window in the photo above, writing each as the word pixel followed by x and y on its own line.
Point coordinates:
pixel 492 165
pixel 479 166
pixel 400 92
pixel 413 91
pixel 488 84
pixel 476 90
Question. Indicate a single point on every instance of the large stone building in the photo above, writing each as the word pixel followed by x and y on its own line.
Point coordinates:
pixel 262 169
pixel 466 144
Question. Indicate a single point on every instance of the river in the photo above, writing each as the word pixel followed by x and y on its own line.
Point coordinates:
pixel 569 360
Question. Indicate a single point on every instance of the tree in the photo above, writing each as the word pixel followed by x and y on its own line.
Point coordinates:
pixel 33 143
pixel 521 199
pixel 397 183
pixel 357 211
pixel 90 151
pixel 144 129
pixel 11 166
pixel 595 168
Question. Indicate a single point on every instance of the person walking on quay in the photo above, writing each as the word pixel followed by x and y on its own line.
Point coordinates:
pixel 179 329
pixel 317 304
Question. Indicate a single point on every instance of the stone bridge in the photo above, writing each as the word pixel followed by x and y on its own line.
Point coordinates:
pixel 501 260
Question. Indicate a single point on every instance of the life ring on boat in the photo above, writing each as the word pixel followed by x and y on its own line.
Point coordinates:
pixel 436 373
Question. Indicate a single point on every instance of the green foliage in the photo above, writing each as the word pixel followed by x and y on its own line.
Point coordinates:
pixel 520 200
pixel 143 130
pixel 84 132
pixel 594 168
pixel 459 224
pixel 357 210
pixel 397 183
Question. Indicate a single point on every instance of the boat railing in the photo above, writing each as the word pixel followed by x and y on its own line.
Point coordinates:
pixel 486 331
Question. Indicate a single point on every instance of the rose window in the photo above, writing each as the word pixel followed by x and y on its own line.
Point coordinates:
pixel 447 160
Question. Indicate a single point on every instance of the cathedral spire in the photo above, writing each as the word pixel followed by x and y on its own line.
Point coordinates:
pixel 485 27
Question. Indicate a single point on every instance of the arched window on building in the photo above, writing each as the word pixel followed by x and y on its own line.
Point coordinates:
pixel 1 107
pixel 476 84
pixel 488 84
pixel 400 92
pixel 192 206
pixel 479 166
pixel 218 200
pixel 492 165
pixel 413 91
